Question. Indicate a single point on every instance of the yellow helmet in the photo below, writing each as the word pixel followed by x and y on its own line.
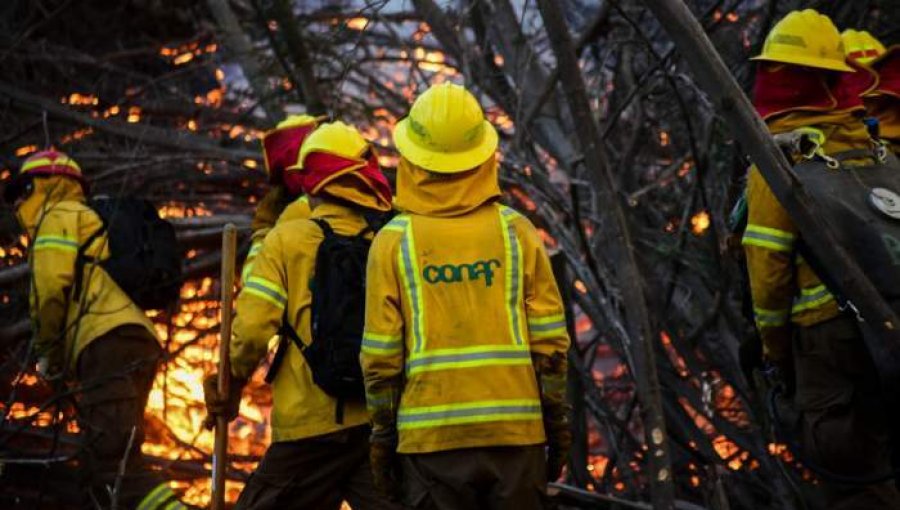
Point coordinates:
pixel 299 120
pixel 446 131
pixel 281 145
pixel 861 46
pixel 334 138
pixel 805 38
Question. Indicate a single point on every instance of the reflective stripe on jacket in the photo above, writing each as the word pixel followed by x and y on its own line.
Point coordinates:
pixel 58 223
pixel 280 278
pixel 456 306
pixel 161 497
pixel 296 210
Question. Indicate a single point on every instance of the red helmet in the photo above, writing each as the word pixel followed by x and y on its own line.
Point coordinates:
pixel 42 164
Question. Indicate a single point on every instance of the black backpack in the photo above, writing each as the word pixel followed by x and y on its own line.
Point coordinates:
pixel 144 256
pixel 338 316
pixel 862 201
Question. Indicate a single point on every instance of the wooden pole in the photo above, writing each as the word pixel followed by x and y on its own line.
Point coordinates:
pixel 749 129
pixel 628 274
pixel 220 451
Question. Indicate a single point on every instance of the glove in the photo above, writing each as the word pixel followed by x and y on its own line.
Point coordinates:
pixel 551 371
pixel 218 405
pixel 779 358
pixel 384 462
pixel 559 442
pixel 43 367
pixel 781 373
pixel 49 365
pixel 270 208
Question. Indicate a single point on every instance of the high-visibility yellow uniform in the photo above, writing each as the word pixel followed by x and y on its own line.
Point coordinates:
pixel 296 210
pixel 58 222
pixel 785 289
pixel 460 294
pixel 280 279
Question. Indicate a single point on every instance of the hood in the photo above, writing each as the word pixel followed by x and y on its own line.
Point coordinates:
pixel 357 188
pixel 358 181
pixel 48 191
pixel 784 89
pixel 883 103
pixel 888 68
pixel 844 130
pixel 429 194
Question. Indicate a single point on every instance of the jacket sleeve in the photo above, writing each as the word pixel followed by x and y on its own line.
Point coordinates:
pixel 259 309
pixel 256 243
pixel 769 245
pixel 53 255
pixel 547 332
pixel 382 355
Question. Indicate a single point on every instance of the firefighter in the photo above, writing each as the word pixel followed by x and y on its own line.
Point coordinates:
pixel 882 103
pixel 317 457
pixel 804 85
pixel 464 350
pixel 285 201
pixel 101 337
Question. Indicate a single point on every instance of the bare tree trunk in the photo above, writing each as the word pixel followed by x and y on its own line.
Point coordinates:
pixel 299 52
pixel 242 50
pixel 751 132
pixel 629 275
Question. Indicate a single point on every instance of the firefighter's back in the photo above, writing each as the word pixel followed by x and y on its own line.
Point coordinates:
pixel 470 379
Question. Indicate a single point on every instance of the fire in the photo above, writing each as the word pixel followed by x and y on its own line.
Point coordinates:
pixel 184 58
pixel 184 53
pixel 26 150
pixel 358 23
pixel 78 134
pixel 700 222
pixel 80 99
pixel 175 411
pixel 430 60
pixel 676 358
pixel 178 210
pixel 731 17
pixel 134 114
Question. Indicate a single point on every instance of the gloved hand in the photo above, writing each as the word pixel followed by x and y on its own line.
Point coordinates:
pixel 269 208
pixel 49 365
pixel 43 367
pixel 779 358
pixel 781 373
pixel 219 405
pixel 551 372
pixel 384 463
pixel 559 442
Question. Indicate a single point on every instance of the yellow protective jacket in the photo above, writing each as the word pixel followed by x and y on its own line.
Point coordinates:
pixel 280 278
pixel 459 296
pixel 296 210
pixel 785 289
pixel 58 222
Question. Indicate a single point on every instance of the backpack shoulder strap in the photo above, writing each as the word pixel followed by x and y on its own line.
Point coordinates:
pixel 288 335
pixel 288 331
pixel 326 228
